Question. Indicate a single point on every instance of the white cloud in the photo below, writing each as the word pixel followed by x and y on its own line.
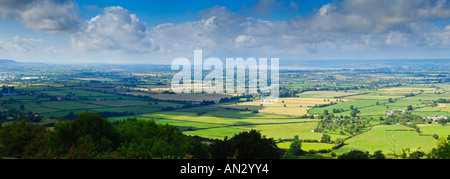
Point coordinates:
pixel 342 27
pixel 19 44
pixel 219 31
pixel 375 16
pixel 347 26
pixel 245 41
pixel 369 25
pixel 115 30
pixel 48 16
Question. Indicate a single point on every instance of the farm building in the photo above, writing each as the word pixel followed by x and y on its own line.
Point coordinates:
pixel 394 111
pixel 435 117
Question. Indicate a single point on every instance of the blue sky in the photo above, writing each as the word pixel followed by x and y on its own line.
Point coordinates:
pixel 151 31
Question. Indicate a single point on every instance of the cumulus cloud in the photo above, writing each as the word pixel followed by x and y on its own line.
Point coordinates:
pixel 354 25
pixel 48 16
pixel 115 30
pixel 271 8
pixel 345 27
pixel 20 44
pixel 218 30
pixel 339 27
pixel 374 16
pixel 245 41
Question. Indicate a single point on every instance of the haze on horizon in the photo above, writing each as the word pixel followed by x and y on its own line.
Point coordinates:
pixel 105 31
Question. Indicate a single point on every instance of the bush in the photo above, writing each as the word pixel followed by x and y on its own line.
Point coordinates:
pixel 245 145
pixel 355 154
pixel 22 140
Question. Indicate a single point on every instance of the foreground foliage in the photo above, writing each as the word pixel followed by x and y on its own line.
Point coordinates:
pixel 245 145
pixel 90 136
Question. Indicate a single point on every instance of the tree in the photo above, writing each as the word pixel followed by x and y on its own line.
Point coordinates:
pixel 353 113
pixel 22 107
pixel 435 136
pixel 325 138
pixel 245 145
pixel 443 149
pixel 325 112
pixel 378 155
pixel 409 108
pixel 147 140
pixel 390 100
pixel 67 133
pixel 355 154
pixel 22 140
pixel 296 147
pixel 442 122
pixel 416 155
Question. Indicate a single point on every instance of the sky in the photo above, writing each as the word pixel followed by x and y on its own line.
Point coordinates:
pixel 157 32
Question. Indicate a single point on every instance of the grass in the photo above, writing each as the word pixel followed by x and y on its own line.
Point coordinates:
pixel 307 146
pixel 221 123
pixel 344 105
pixel 430 113
pixel 183 96
pixel 442 131
pixel 287 131
pixel 121 103
pixel 284 106
pixel 68 105
pixel 447 109
pixel 389 139
pixel 324 94
pixel 278 121
pixel 372 110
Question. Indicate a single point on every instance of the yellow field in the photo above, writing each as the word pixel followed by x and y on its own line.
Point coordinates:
pixel 329 93
pixel 294 106
pixel 404 89
pixel 447 109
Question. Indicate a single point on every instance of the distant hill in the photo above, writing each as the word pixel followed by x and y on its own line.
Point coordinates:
pixel 4 61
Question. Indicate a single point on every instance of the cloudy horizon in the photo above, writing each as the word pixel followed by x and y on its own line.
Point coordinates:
pixel 80 31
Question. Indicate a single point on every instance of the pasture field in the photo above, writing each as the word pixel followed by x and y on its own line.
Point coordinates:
pixel 34 108
pixel 284 106
pixel 79 101
pixel 430 129
pixel 181 97
pixel 389 139
pixel 373 96
pixel 372 110
pixel 447 109
pixel 120 103
pixel 375 103
pixel 218 124
pixel 68 105
pixel 324 94
pixel 431 109
pixel 146 95
pixel 345 106
pixel 407 89
pixel 307 146
pixel 287 131
pixel 430 113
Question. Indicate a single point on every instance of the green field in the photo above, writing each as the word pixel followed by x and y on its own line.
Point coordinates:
pixel 307 146
pixel 344 106
pixel 442 131
pixel 220 123
pixel 136 92
pixel 389 139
